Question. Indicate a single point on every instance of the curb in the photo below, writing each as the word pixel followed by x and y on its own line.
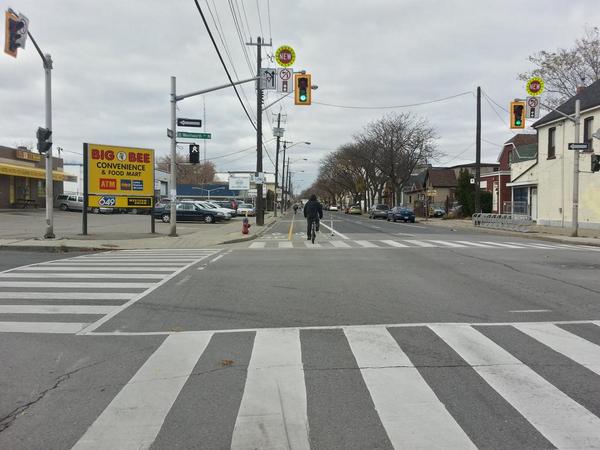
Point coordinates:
pixel 252 237
pixel 53 248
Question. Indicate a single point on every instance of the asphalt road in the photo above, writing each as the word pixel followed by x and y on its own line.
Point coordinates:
pixel 380 335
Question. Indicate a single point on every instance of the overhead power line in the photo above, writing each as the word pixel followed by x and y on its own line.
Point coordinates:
pixel 223 62
pixel 395 106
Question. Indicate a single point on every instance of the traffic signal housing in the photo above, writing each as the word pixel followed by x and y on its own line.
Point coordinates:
pixel 517 115
pixel 302 89
pixel 194 154
pixel 16 32
pixel 43 137
pixel 595 163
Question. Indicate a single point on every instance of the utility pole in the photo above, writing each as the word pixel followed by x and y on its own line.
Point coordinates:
pixel 478 154
pixel 575 212
pixel 283 186
pixel 260 207
pixel 288 182
pixel 277 164
pixel 173 183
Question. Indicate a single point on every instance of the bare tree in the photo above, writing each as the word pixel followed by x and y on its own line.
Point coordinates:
pixel 201 173
pixel 564 70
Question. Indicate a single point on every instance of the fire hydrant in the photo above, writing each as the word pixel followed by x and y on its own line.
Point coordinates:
pixel 245 226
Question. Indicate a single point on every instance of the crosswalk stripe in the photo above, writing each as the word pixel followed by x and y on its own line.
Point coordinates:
pixel 55 309
pixel 410 412
pixel 82 275
pixel 69 295
pixel 560 419
pixel 41 327
pixel 273 411
pixel 420 243
pixel 286 244
pixel 533 245
pixel 500 244
pixel 309 244
pixel 134 260
pixel 572 346
pixel 476 244
pixel 449 244
pixel 258 245
pixel 111 264
pixel 366 244
pixel 79 268
pixel 340 244
pixel 135 416
pixel 394 244
pixel 72 284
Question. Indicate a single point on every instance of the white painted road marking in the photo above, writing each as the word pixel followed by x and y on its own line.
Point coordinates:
pixel 340 244
pixel 135 416
pixel 107 276
pixel 72 284
pixel 41 327
pixel 394 244
pixel 409 410
pixel 258 245
pixel 420 243
pixel 366 244
pixel 343 236
pixel 69 295
pixel 55 309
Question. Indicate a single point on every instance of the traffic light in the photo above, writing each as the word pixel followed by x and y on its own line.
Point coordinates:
pixel 302 89
pixel 16 32
pixel 194 153
pixel 595 163
pixel 517 114
pixel 43 138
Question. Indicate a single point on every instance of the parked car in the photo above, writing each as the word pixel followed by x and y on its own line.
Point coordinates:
pixel 401 213
pixel 231 204
pixel 437 212
pixel 246 209
pixel 68 202
pixel 354 209
pixel 378 211
pixel 333 208
pixel 188 211
pixel 227 209
pixel 213 207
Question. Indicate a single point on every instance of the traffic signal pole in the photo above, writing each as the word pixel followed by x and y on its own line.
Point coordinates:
pixel 575 212
pixel 47 62
pixel 477 154
pixel 277 165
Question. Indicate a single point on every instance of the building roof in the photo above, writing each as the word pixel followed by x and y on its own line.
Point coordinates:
pixel 589 96
pixel 442 177
pixel 458 166
pixel 524 153
pixel 522 139
pixel 416 182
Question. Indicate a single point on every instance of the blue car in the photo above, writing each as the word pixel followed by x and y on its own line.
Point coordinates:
pixel 400 213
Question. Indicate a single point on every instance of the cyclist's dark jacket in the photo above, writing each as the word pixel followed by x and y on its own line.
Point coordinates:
pixel 313 209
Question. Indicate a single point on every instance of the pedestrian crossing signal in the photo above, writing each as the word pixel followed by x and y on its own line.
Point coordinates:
pixel 517 115
pixel 194 154
pixel 302 89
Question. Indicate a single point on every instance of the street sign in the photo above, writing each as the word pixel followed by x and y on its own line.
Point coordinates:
pixel 278 132
pixel 533 107
pixel 268 79
pixel 169 133
pixel 285 56
pixel 259 178
pixel 579 146
pixel 534 86
pixel 185 134
pixel 285 85
pixel 189 122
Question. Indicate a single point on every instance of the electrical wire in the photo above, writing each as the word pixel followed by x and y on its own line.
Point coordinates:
pixel 223 62
pixel 396 106
pixel 262 33
pixel 269 16
pixel 252 147
pixel 495 102
pixel 487 99
pixel 460 154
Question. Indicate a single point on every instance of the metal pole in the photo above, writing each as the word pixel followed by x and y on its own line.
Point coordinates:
pixel 84 226
pixel 277 165
pixel 49 160
pixel 478 154
pixel 173 187
pixel 575 213
pixel 283 196
pixel 260 213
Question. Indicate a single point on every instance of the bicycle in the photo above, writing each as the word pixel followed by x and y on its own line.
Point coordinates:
pixel 313 230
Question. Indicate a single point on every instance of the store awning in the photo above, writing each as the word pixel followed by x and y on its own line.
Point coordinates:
pixel 29 172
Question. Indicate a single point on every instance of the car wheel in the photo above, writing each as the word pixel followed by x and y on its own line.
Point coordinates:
pixel 412 221
pixel 388 219
pixel 64 207
pixel 393 219
pixel 165 218
pixel 209 219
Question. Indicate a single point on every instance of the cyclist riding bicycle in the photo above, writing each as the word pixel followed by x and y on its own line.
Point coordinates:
pixel 313 211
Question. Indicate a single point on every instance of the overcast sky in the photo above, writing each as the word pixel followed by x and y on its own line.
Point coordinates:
pixel 113 60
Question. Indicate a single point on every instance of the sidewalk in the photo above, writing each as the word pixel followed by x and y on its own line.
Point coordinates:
pixel 554 234
pixel 122 236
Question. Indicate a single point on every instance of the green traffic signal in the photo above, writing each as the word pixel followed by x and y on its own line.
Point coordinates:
pixel 303 97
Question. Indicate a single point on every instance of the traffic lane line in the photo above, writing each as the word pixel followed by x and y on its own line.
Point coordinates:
pixel 343 236
pixel 291 232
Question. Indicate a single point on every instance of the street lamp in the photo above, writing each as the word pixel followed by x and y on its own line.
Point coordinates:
pixel 209 190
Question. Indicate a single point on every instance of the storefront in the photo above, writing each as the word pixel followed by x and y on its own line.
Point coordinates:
pixel 23 178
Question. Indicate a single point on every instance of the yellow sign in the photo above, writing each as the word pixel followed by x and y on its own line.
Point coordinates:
pixel 285 56
pixel 112 201
pixel 124 171
pixel 534 86
pixel 29 172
